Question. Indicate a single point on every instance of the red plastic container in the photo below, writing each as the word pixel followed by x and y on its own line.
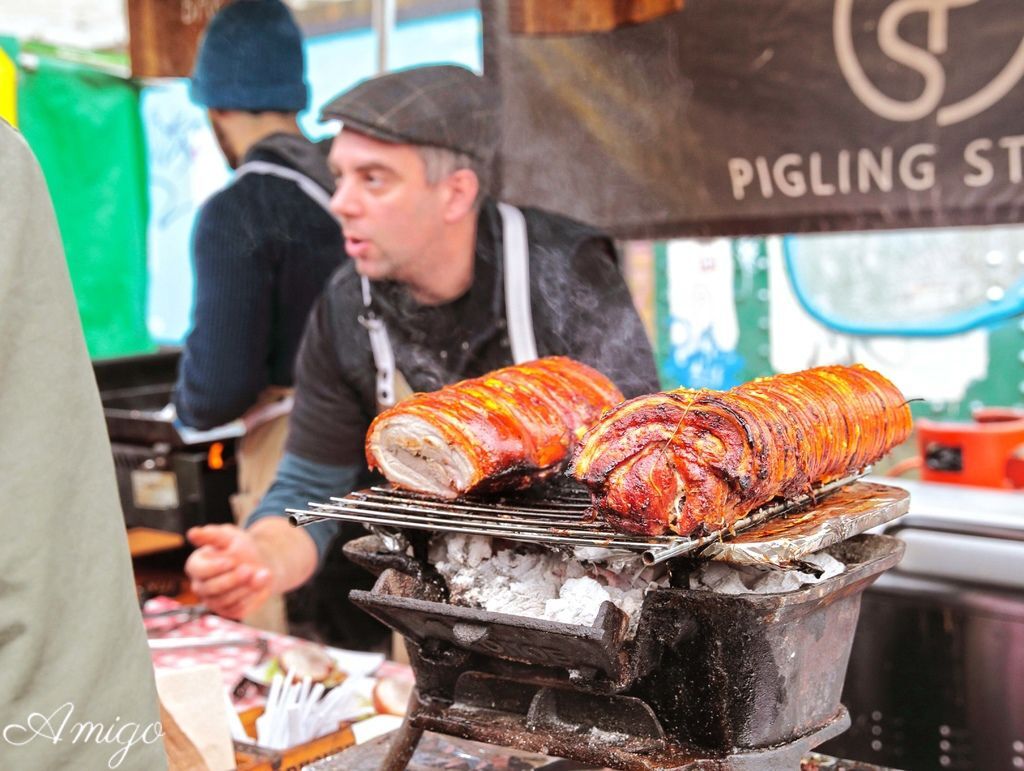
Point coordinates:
pixel 987 452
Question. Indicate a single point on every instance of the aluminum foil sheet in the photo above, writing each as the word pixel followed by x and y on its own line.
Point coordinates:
pixel 785 540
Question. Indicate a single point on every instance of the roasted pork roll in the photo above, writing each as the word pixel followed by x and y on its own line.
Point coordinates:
pixel 689 461
pixel 505 430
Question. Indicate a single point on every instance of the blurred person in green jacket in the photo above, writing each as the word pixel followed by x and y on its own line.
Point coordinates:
pixel 76 680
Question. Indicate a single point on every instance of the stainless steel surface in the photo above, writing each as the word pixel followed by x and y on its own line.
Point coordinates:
pixel 984 507
pixel 936 676
pixel 967 558
pixel 563 519
pixel 960 533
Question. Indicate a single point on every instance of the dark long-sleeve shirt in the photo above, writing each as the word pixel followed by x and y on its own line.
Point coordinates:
pixel 263 251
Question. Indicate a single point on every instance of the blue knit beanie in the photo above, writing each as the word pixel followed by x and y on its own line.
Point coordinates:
pixel 251 59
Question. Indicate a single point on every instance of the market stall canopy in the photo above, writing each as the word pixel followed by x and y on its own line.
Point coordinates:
pixel 163 35
pixel 538 17
pixel 732 117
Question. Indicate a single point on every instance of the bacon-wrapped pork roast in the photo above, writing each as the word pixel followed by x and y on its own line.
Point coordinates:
pixel 505 430
pixel 692 460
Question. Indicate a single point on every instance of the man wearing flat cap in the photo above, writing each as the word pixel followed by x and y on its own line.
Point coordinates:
pixel 444 284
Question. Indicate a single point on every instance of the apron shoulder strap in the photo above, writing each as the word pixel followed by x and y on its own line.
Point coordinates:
pixel 517 284
pixel 304 182
pixel 380 348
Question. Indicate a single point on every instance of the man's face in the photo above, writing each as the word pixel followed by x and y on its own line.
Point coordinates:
pixel 389 213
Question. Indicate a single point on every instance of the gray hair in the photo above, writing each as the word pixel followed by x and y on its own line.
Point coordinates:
pixel 440 162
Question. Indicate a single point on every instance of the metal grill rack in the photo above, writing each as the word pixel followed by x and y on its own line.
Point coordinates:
pixel 561 518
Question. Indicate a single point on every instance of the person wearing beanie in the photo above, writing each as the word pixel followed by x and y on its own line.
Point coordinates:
pixel 447 281
pixel 263 247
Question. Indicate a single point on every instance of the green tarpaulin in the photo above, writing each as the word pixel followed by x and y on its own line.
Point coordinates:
pixel 83 124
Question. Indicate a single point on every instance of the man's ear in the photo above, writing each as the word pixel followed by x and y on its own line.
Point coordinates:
pixel 462 187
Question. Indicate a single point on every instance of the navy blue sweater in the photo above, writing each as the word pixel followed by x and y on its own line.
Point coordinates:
pixel 262 251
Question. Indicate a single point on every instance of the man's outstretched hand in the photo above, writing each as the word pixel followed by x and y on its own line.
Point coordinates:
pixel 234 570
pixel 228 570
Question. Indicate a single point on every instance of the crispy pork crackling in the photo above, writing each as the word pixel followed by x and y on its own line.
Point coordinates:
pixel 503 431
pixel 687 461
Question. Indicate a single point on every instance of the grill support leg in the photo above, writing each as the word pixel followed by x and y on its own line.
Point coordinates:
pixel 405 740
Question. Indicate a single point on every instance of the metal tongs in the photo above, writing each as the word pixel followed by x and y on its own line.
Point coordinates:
pixel 186 612
pixel 192 611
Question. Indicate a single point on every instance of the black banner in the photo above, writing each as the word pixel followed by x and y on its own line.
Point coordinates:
pixel 766 116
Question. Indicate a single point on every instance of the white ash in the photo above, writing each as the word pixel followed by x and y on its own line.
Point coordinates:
pixel 529 581
pixel 726 578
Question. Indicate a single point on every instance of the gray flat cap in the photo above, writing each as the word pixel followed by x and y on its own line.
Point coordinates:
pixel 442 106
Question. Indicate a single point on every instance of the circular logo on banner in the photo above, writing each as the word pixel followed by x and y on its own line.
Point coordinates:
pixel 924 61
